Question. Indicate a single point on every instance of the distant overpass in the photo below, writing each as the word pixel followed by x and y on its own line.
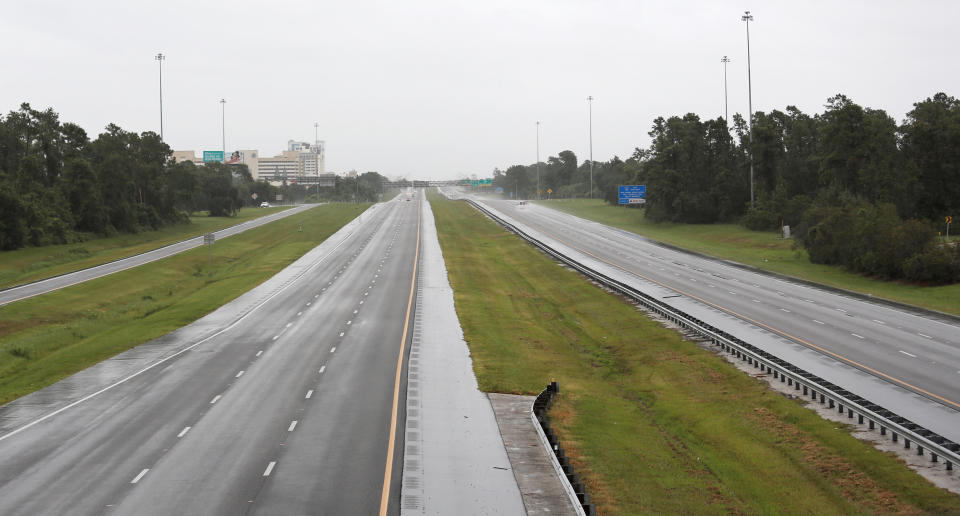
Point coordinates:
pixel 423 184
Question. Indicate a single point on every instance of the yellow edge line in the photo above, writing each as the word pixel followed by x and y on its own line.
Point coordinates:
pixel 758 323
pixel 388 470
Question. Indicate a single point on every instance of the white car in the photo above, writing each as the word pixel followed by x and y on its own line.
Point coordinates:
pixel 264 204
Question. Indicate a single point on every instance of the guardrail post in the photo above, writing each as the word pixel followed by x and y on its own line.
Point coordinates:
pixel 860 419
pixel 804 390
pixel 949 466
pixel 933 457
pixel 823 398
pixel 849 413
pixel 840 408
pixel 906 443
pixel 830 405
pixel 871 424
pixel 919 450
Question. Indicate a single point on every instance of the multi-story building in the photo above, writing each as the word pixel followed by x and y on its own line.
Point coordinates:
pixel 301 163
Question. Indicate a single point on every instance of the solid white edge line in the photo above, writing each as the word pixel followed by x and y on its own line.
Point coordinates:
pixel 818 322
pixel 857 336
pixel 911 355
pixel 184 432
pixel 269 468
pixel 138 477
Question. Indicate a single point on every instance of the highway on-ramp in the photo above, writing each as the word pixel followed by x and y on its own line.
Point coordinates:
pixel 37 288
pixel 914 351
pixel 285 401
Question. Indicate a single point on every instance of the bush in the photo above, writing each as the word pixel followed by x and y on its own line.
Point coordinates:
pixel 939 265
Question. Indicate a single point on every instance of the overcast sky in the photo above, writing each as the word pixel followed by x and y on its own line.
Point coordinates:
pixel 447 88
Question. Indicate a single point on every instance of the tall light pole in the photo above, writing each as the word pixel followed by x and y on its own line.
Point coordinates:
pixel 590 104
pixel 538 159
pixel 223 128
pixel 160 58
pixel 747 17
pixel 316 151
pixel 726 111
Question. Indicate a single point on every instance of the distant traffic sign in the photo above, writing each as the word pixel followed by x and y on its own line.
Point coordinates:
pixel 632 194
pixel 210 156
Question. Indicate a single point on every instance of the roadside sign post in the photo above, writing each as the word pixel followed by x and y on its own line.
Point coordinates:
pixel 949 220
pixel 208 239
pixel 632 194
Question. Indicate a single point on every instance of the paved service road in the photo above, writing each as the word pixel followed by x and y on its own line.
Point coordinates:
pixel 48 285
pixel 921 354
pixel 282 402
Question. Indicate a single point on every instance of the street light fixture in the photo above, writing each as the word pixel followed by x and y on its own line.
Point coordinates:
pixel 538 159
pixel 223 128
pixel 316 151
pixel 160 58
pixel 590 104
pixel 726 111
pixel 747 17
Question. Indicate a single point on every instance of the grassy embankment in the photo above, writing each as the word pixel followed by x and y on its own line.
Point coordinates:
pixel 654 423
pixel 36 263
pixel 760 249
pixel 46 338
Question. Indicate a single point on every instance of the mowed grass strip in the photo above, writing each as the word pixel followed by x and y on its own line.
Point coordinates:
pixel 654 423
pixel 49 337
pixel 35 263
pixel 760 249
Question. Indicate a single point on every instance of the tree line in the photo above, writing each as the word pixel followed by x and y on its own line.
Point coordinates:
pixel 59 186
pixel 859 189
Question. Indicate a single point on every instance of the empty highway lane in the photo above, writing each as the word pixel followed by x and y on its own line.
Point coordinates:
pixel 282 402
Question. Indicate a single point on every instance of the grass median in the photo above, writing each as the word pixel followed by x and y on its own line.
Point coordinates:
pixel 37 263
pixel 760 249
pixel 49 337
pixel 654 423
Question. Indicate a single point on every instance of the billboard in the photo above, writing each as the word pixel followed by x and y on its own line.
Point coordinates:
pixel 210 156
pixel 632 194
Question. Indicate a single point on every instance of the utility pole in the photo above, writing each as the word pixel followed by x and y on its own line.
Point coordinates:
pixel 747 17
pixel 160 58
pixel 316 151
pixel 538 159
pixel 223 128
pixel 590 104
pixel 726 111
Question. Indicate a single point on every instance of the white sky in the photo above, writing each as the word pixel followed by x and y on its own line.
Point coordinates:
pixel 445 88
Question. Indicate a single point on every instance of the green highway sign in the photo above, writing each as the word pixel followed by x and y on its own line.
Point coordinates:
pixel 210 156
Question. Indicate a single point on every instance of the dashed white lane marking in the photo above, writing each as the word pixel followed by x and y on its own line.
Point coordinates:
pixel 711 286
pixel 355 311
pixel 879 321
pixel 239 374
pixel 365 293
pixel 693 280
pixel 732 292
pixel 361 301
pixel 911 355
pixel 259 352
pixel 809 300
pixel 215 399
pixel 316 296
pixel 780 293
pixel 349 322
pixel 309 394
pixel 341 334
pixel 785 310
pixel 756 300
pixel 293 424
pixel 299 314
pixel 857 336
pixel 322 369
pixel 924 335
pixel 289 324
pixel 183 432
pixel 333 349
pixel 275 337
pixel 138 477
pixel 269 468
pixel 308 303
pixel 818 322
pixel 841 310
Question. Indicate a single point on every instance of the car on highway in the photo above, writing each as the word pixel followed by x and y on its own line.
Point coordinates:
pixel 264 204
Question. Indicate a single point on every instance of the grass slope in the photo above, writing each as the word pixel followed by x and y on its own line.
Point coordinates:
pixel 46 338
pixel 36 263
pixel 760 249
pixel 654 423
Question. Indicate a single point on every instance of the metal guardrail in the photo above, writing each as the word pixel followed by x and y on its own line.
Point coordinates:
pixel 576 490
pixel 900 428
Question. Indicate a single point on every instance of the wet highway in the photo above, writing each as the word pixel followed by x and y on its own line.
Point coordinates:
pixel 902 347
pixel 37 288
pixel 281 402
